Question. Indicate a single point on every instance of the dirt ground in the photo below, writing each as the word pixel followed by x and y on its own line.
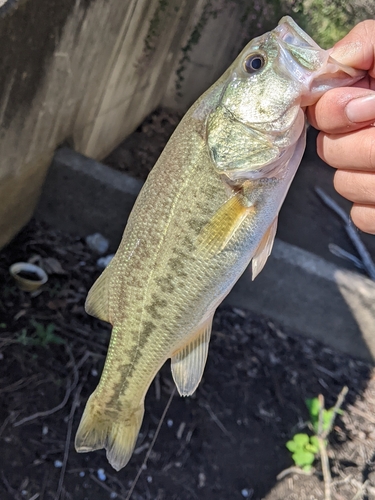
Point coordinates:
pixel 227 441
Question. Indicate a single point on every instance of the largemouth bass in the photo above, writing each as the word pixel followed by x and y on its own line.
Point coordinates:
pixel 208 208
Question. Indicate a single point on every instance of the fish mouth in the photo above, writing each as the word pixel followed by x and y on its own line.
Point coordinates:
pixel 290 33
pixel 313 67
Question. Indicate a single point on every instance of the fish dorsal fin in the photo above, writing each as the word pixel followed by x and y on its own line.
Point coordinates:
pixel 97 303
pixel 216 234
pixel 264 249
pixel 188 363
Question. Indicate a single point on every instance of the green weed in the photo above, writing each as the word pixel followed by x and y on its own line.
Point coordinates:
pixel 305 448
pixel 42 336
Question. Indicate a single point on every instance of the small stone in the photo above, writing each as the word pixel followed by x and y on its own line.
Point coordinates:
pixel 101 475
pixel 149 479
pixel 58 464
pixel 94 372
pixel 247 493
pixel 170 422
pixel 97 243
pixel 103 262
pixel 44 430
pixel 113 494
pixel 82 474
pixel 201 480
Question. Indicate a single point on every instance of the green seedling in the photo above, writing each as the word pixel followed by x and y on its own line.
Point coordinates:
pixel 314 407
pixel 42 336
pixel 304 448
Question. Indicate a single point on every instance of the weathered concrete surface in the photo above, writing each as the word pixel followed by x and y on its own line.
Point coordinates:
pixel 302 291
pixel 82 196
pixel 87 71
pixel 314 298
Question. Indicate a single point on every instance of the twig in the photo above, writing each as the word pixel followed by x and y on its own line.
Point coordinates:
pixel 293 470
pixel 48 412
pixel 351 232
pixel 340 399
pixel 70 386
pixel 343 254
pixel 216 420
pixel 20 384
pixel 9 488
pixel 322 435
pixel 143 466
pixel 323 452
pixel 361 491
pixel 11 416
pixel 75 405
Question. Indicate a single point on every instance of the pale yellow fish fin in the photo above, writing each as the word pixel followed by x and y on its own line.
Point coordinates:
pixel 110 429
pixel 264 249
pixel 188 363
pixel 217 233
pixel 97 303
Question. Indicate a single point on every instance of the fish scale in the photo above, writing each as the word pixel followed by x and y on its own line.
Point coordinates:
pixel 208 208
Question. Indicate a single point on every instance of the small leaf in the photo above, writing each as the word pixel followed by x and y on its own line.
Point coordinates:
pixel 313 405
pixel 302 458
pixel 292 446
pixel 314 441
pixel 301 439
pixel 327 418
pixel 312 447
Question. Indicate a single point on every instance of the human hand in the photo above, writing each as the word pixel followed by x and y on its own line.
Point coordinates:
pixel 346 118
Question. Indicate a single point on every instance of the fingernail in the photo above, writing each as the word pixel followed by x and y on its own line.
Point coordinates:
pixel 361 109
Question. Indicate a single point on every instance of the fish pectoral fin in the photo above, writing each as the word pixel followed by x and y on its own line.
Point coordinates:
pixel 188 363
pixel 97 298
pixel 216 234
pixel 264 249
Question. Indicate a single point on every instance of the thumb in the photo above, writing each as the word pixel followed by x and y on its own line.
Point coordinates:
pixel 357 48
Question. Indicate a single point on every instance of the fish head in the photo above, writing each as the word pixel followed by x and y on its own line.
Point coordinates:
pixel 260 111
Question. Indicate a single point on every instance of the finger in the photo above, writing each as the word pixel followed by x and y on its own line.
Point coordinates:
pixel 353 151
pixel 363 217
pixel 357 48
pixel 358 187
pixel 343 110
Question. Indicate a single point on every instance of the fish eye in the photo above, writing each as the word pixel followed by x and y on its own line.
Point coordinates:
pixel 254 62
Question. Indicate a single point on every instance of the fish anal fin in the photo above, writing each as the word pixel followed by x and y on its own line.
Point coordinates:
pixel 216 234
pixel 264 249
pixel 188 363
pixel 113 430
pixel 97 298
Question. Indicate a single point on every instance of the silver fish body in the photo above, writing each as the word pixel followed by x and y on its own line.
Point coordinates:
pixel 208 208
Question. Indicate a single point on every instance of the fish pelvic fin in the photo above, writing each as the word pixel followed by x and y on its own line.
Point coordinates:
pixel 264 249
pixel 215 235
pixel 188 363
pixel 113 430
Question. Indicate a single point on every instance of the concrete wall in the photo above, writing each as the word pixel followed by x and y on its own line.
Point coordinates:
pixel 89 71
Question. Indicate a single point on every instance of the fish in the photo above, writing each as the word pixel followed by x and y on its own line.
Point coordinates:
pixel 208 208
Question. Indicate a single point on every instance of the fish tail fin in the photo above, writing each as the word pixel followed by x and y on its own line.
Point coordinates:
pixel 113 430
